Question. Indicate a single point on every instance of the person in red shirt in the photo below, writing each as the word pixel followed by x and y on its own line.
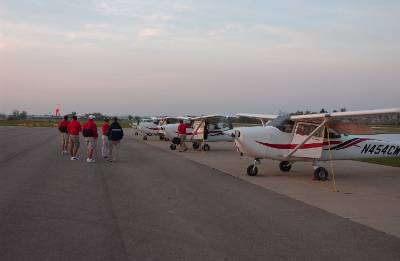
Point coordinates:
pixel 104 138
pixel 63 128
pixel 182 136
pixel 90 133
pixel 74 127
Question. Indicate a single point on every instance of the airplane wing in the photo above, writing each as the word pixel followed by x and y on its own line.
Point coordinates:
pixel 257 116
pixel 344 115
pixel 209 116
pixel 263 118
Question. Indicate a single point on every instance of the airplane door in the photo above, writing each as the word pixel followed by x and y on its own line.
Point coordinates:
pixel 313 147
pixel 198 130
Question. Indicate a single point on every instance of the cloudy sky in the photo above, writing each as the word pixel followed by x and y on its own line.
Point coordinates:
pixel 191 57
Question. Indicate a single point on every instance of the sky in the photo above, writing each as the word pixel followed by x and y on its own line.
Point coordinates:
pixel 155 57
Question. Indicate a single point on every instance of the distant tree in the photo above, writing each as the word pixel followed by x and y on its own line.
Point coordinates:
pixel 3 116
pixel 73 113
pixel 18 115
pixel 23 115
pixel 98 116
pixel 343 109
pixel 15 114
pixel 130 117
pixel 323 111
pixel 334 111
pixel 297 113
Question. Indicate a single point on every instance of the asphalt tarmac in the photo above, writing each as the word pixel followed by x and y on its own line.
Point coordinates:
pixel 156 205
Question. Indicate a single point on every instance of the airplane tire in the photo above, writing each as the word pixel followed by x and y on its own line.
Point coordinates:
pixel 206 147
pixel 252 170
pixel 144 137
pixel 172 147
pixel 136 133
pixel 321 174
pixel 285 166
pixel 161 138
pixel 196 145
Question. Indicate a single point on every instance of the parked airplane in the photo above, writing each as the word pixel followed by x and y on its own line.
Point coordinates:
pixel 200 130
pixel 165 121
pixel 314 138
pixel 148 127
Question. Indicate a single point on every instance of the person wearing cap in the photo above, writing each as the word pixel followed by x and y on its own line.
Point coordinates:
pixel 115 135
pixel 104 138
pixel 89 132
pixel 63 128
pixel 74 127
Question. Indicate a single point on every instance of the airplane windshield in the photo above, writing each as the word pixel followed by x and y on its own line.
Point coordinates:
pixel 283 123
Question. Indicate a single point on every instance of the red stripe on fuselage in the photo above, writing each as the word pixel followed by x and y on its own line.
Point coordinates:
pixel 290 146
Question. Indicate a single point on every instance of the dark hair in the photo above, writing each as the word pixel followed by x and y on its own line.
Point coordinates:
pixel 180 121
pixel 115 119
pixel 106 120
pixel 74 117
pixel 66 117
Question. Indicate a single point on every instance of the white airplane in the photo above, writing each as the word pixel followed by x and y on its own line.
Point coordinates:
pixel 315 138
pixel 200 130
pixel 148 127
pixel 166 121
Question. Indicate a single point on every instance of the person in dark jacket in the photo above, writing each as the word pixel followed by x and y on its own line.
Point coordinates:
pixel 63 129
pixel 115 135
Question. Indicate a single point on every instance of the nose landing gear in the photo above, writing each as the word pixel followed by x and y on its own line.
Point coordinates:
pixel 252 170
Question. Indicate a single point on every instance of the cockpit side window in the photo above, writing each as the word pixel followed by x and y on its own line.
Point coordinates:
pixel 283 123
pixel 332 134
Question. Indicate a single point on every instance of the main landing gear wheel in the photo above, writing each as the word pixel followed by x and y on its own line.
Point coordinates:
pixel 136 133
pixel 285 166
pixel 206 147
pixel 144 137
pixel 161 138
pixel 252 170
pixel 321 174
pixel 172 146
pixel 196 145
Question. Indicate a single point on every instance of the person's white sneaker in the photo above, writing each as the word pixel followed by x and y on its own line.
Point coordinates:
pixel 90 160
pixel 72 158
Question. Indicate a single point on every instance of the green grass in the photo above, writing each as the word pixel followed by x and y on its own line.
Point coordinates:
pixel 386 129
pixel 394 162
pixel 49 123
pixel 29 123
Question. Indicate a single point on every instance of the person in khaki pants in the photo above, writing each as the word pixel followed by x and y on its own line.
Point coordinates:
pixel 104 138
pixel 115 135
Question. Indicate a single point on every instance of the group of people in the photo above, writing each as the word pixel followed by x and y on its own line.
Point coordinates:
pixel 111 138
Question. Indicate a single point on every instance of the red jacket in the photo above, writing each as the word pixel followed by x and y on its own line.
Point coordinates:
pixel 74 127
pixel 105 128
pixel 181 128
pixel 63 125
pixel 91 125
